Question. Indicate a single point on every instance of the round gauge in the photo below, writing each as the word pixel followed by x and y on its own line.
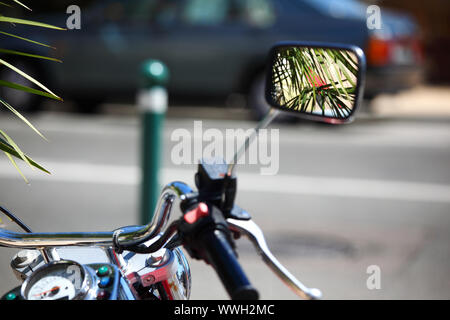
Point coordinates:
pixel 58 280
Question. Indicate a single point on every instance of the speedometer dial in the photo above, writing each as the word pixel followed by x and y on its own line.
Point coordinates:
pixel 58 280
pixel 52 288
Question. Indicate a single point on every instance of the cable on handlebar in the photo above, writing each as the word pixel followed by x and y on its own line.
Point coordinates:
pixel 155 246
pixel 15 219
pixel 117 247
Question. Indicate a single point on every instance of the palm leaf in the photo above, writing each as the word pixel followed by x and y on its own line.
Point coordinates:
pixel 23 74
pixel 7 145
pixel 25 39
pixel 7 105
pixel 21 4
pixel 15 147
pixel 19 53
pixel 20 87
pixel 4 146
pixel 29 22
pixel 16 166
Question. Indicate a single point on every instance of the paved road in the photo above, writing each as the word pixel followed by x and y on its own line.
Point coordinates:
pixel 376 192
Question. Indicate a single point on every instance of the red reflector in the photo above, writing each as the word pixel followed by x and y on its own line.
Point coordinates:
pixel 193 215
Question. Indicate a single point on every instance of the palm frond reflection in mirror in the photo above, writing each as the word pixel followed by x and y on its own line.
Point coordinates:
pixel 318 81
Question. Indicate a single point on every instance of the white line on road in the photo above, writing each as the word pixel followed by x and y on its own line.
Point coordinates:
pixel 251 182
pixel 401 135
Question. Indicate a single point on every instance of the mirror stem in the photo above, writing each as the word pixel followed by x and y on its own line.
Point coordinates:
pixel 268 118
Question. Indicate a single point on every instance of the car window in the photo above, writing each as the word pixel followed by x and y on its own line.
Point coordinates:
pixel 339 8
pixel 190 12
pixel 158 12
pixel 134 12
pixel 258 13
pixel 206 12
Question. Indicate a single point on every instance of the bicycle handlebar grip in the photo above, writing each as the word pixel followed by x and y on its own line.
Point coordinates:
pixel 221 256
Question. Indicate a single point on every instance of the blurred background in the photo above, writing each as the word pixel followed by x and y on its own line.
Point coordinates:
pixel 376 192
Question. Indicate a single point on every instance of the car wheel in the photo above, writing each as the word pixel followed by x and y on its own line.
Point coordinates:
pixel 256 101
pixel 22 101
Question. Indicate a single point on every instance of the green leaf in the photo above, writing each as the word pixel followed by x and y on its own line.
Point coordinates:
pixel 23 74
pixel 25 39
pixel 19 53
pixel 28 22
pixel 347 76
pixel 4 146
pixel 22 118
pixel 20 3
pixel 15 147
pixel 16 166
pixel 17 86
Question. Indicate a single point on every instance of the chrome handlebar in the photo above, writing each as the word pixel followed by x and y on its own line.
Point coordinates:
pixel 133 235
pixel 124 236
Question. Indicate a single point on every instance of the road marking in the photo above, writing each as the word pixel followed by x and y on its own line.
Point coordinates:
pixel 401 135
pixel 250 182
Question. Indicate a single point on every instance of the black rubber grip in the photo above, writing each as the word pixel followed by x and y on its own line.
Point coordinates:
pixel 221 256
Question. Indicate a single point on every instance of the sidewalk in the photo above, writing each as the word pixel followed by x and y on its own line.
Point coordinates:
pixel 422 101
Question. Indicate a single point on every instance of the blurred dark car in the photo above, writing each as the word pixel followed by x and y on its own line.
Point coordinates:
pixel 212 47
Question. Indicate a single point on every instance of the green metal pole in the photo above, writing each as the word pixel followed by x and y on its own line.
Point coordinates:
pixel 152 102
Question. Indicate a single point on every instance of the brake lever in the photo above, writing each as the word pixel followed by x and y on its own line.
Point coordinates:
pixel 256 236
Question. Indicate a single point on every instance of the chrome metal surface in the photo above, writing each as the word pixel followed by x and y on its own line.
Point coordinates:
pixel 182 276
pixel 141 272
pixel 161 265
pixel 85 255
pixel 117 259
pixel 256 236
pixel 24 258
pixel 24 262
pixel 158 258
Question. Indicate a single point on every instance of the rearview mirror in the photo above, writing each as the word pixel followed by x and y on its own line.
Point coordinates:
pixel 316 81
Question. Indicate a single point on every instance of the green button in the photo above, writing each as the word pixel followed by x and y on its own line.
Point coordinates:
pixel 11 296
pixel 103 271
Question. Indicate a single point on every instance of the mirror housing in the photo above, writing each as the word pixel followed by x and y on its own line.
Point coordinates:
pixel 316 81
